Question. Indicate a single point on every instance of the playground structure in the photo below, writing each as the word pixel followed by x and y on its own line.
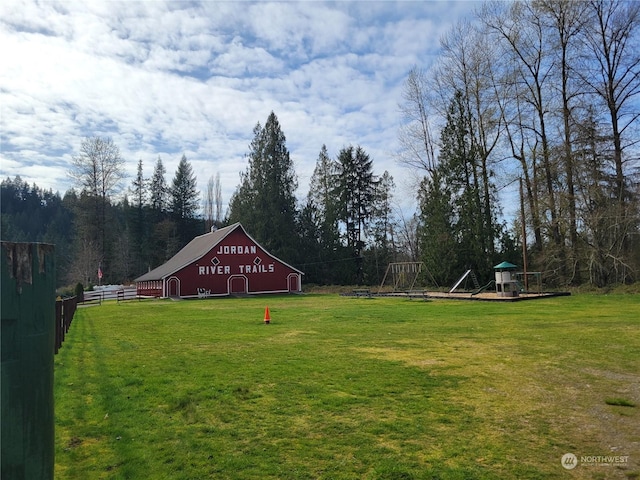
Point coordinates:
pixel 524 279
pixel 406 279
pixel 466 276
pixel 507 284
pixel 463 284
pixel 403 276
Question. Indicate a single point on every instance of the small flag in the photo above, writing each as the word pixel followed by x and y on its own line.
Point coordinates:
pixel 99 273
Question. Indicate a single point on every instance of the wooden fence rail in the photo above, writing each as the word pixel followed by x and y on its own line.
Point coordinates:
pixel 65 309
pixel 120 294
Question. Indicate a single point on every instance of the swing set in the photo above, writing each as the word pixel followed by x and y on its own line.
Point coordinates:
pixel 403 276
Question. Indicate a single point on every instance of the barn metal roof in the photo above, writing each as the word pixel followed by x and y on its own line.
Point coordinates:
pixel 195 250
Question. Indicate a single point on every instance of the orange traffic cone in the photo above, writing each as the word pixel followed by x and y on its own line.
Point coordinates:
pixel 267 317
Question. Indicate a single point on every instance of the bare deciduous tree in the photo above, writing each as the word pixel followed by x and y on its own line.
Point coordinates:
pixel 418 148
pixel 217 189
pixel 209 204
pixel 565 20
pixel 613 71
pixel 98 170
pixel 521 32
pixel 213 203
pixel 466 66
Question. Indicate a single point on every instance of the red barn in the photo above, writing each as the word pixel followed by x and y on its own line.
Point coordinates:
pixel 223 262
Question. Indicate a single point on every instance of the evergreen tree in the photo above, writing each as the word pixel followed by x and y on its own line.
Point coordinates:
pixel 185 200
pixel 158 189
pixel 382 217
pixel 436 237
pixel 31 214
pixel 310 244
pixel 128 226
pixel 461 170
pixel 321 194
pixel 264 202
pixel 319 223
pixel 381 248
pixel 162 237
pixel 355 189
pixel 184 191
pixel 137 245
pixel 139 187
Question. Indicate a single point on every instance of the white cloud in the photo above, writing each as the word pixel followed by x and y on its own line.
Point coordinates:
pixel 300 31
pixel 163 79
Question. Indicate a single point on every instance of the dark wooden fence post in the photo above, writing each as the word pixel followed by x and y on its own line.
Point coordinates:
pixel 28 341
pixel 59 330
pixel 65 310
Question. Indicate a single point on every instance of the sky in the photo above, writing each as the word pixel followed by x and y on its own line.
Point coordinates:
pixel 163 79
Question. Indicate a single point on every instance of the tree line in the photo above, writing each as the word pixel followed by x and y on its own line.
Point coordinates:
pixel 341 233
pixel 542 94
pixel 333 236
pixel 92 229
pixel 539 96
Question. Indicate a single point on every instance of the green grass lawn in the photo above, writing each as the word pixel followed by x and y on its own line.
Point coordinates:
pixel 348 388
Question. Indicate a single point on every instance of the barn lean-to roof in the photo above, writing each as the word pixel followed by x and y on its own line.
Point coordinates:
pixel 196 249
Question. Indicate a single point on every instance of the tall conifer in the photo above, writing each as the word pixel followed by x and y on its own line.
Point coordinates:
pixel 265 202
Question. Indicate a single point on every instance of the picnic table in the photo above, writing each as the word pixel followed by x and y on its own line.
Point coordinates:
pixel 417 294
pixel 362 292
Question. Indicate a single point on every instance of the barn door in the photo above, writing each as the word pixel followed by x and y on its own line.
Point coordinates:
pixel 294 283
pixel 237 285
pixel 173 287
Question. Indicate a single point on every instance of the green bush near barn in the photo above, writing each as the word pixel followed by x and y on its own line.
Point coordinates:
pixel 348 388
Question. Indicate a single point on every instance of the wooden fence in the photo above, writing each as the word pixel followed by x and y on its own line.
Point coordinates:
pixel 98 296
pixel 65 309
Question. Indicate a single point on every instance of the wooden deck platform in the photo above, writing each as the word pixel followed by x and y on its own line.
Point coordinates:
pixel 492 296
pixel 483 296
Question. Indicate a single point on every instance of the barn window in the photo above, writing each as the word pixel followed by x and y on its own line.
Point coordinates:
pixel 257 261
